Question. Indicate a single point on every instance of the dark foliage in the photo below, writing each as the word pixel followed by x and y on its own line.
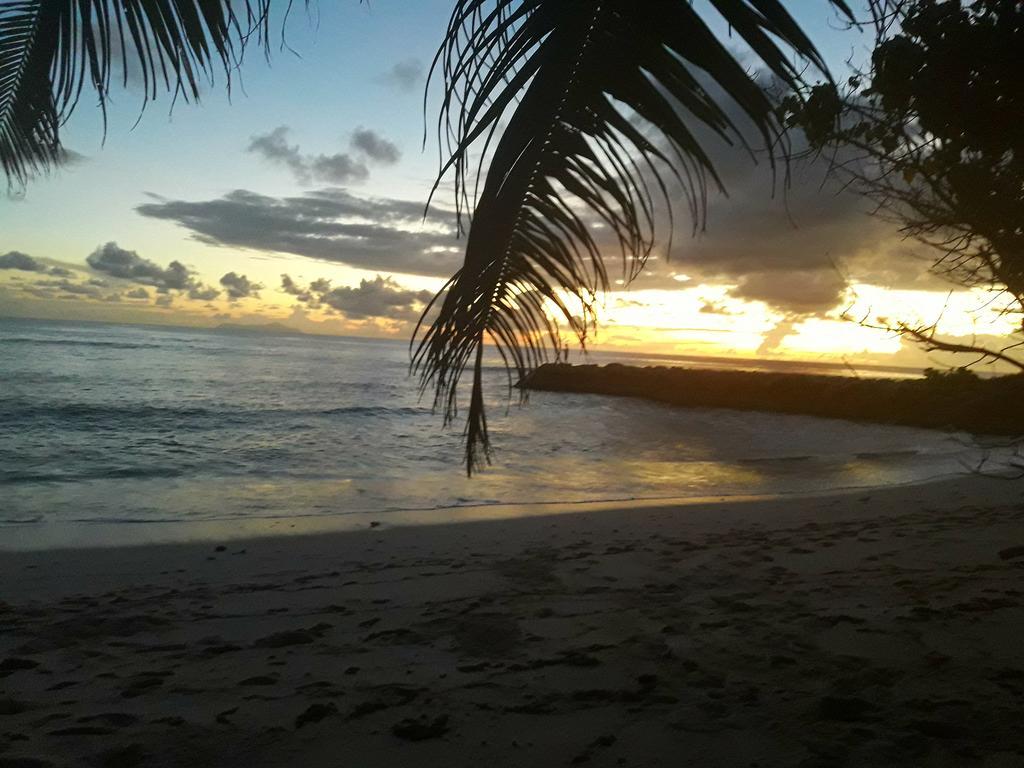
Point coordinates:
pixel 577 109
pixel 54 51
pixel 934 134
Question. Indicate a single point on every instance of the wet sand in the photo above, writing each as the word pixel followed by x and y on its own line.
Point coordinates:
pixel 878 628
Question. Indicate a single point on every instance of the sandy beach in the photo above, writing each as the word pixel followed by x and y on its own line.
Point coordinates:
pixel 877 628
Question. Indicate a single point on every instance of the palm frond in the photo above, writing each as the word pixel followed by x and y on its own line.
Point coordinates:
pixel 599 99
pixel 53 50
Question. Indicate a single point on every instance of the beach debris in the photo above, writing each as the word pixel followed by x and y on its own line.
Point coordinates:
pixel 421 729
pixel 220 548
pixel 314 713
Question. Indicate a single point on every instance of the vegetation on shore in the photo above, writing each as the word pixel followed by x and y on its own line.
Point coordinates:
pixel 956 400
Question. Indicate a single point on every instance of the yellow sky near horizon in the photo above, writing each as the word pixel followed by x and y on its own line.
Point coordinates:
pixel 700 319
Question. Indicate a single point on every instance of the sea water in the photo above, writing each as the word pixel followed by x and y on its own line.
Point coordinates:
pixel 105 428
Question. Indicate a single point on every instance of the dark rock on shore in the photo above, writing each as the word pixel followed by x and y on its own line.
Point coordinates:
pixel 960 402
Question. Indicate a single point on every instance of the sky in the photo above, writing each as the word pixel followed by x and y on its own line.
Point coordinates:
pixel 300 198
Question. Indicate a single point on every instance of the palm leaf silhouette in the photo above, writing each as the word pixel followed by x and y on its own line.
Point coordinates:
pixel 582 86
pixel 52 50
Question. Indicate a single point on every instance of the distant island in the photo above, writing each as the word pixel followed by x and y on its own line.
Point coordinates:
pixel 277 329
pixel 956 400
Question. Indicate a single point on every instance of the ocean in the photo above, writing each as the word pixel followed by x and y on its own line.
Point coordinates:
pixel 111 434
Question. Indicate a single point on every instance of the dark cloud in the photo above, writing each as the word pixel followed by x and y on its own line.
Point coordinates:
pixel 381 297
pixel 164 300
pixel 22 261
pixel 771 237
pixel 375 147
pixel 60 272
pixel 306 295
pixel 406 75
pixel 332 225
pixel 274 146
pixel 65 289
pixel 290 287
pixel 339 168
pixel 714 308
pixel 137 293
pixel 239 286
pixel 321 285
pixel 774 337
pixel 201 292
pixel 115 261
pixel 804 292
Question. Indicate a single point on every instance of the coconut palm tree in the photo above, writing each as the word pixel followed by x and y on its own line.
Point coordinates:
pixel 599 98
pixel 52 51
pixel 561 119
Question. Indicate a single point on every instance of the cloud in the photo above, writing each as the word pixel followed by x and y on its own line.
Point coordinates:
pixel 771 237
pixel 239 286
pixel 339 168
pixel 322 285
pixel 26 263
pixel 333 225
pixel 715 308
pixel 382 297
pixel 405 75
pixel 137 293
pixel 774 337
pixel 274 147
pixel 65 289
pixel 290 287
pixel 305 295
pixel 375 147
pixel 803 292
pixel 164 300
pixel 115 261
pixel 22 261
pixel 201 292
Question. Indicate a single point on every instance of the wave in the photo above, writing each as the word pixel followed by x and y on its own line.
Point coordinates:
pixel 25 413
pixel 79 343
pixel 117 473
pixel 632 500
pixel 882 455
pixel 782 459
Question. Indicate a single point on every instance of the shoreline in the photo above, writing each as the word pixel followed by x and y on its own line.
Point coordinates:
pixel 875 628
pixel 109 534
